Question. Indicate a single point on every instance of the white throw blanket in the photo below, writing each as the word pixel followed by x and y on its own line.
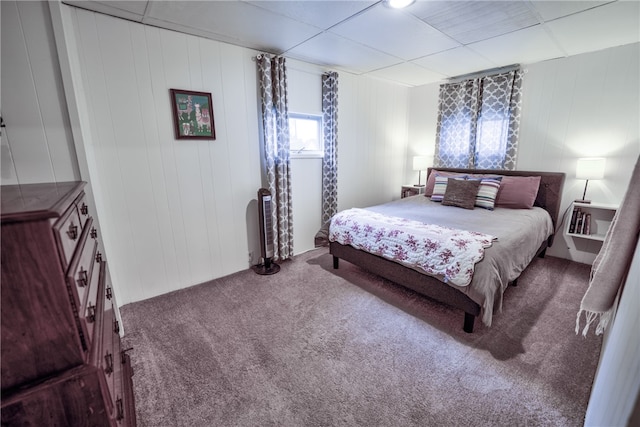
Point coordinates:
pixel 447 253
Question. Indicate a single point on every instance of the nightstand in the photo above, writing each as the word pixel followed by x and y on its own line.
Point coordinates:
pixel 591 220
pixel 411 190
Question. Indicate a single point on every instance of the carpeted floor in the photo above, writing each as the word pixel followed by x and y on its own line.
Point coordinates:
pixel 313 346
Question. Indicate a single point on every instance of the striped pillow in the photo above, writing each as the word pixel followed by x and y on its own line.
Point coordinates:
pixel 440 187
pixel 487 192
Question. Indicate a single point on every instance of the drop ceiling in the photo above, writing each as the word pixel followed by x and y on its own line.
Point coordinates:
pixel 428 41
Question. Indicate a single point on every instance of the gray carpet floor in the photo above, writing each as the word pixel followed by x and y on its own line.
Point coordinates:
pixel 313 346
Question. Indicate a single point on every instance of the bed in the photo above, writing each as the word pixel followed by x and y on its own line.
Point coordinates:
pixel 501 262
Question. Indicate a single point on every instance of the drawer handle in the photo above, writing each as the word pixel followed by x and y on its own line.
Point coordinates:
pixel 91 310
pixel 99 257
pixel 108 360
pixel 123 355
pixel 82 278
pixel 119 409
pixel 84 209
pixel 109 293
pixel 73 231
pixel 94 233
pixel 116 326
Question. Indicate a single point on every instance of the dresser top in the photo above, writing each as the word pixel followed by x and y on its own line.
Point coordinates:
pixel 30 202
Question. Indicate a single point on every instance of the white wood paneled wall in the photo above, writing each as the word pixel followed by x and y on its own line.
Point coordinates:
pixel 423 118
pixel 173 213
pixel 37 145
pixel 178 213
pixel 583 106
pixel 372 146
pixel 304 84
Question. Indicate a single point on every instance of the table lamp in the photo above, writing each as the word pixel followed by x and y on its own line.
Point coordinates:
pixel 589 168
pixel 420 163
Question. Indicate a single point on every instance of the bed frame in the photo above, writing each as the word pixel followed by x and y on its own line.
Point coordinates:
pixel 548 198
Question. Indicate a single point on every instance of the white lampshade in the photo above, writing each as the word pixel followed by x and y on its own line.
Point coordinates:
pixel 590 168
pixel 420 163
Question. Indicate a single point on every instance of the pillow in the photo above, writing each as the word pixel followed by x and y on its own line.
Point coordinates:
pixel 439 187
pixel 461 193
pixel 518 192
pixel 487 192
pixel 428 189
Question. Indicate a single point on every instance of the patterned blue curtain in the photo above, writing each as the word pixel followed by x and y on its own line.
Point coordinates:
pixel 330 159
pixel 479 122
pixel 272 73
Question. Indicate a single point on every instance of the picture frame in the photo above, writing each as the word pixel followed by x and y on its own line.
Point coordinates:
pixel 192 114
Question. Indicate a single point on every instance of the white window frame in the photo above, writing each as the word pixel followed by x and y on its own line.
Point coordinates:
pixel 308 153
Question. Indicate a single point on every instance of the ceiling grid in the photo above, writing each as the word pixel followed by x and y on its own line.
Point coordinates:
pixel 429 41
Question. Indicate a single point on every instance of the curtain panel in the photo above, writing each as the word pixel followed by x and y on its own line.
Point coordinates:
pixel 330 158
pixel 272 73
pixel 479 122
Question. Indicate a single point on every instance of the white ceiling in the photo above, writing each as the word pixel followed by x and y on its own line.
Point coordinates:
pixel 428 41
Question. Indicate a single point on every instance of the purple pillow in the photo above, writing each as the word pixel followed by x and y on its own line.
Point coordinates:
pixel 518 192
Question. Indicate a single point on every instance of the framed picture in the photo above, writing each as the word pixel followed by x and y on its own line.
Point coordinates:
pixel 192 114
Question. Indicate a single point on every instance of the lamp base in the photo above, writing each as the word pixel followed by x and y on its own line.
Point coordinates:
pixel 269 267
pixel 586 202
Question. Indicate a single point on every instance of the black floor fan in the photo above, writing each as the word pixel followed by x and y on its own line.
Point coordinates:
pixel 266 234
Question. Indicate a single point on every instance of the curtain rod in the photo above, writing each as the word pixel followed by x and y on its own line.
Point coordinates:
pixel 483 73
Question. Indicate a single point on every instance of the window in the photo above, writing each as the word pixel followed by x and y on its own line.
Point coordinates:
pixel 478 122
pixel 305 132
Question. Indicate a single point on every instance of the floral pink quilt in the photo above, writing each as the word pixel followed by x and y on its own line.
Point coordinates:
pixel 447 253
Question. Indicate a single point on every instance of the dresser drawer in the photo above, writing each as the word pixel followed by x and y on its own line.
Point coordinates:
pixel 107 357
pixel 89 307
pixel 109 354
pixel 127 385
pixel 67 231
pixel 80 270
pixel 120 383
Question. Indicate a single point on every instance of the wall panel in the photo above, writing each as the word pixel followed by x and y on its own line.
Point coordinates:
pixel 373 133
pixel 37 145
pixel 583 106
pixel 423 115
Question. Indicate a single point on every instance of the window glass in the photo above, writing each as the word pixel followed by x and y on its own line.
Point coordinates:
pixel 305 135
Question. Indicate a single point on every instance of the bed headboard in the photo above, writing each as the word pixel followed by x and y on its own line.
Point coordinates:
pixel 549 194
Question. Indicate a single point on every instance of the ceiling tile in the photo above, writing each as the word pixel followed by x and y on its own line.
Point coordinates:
pixel 471 21
pixel 613 24
pixel 394 32
pixel 133 6
pixel 550 10
pixel 520 47
pixel 322 14
pixel 333 50
pixel 131 10
pixel 455 62
pixel 408 74
pixel 362 36
pixel 245 24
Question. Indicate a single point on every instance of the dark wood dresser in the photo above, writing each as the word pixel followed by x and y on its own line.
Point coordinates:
pixel 62 360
